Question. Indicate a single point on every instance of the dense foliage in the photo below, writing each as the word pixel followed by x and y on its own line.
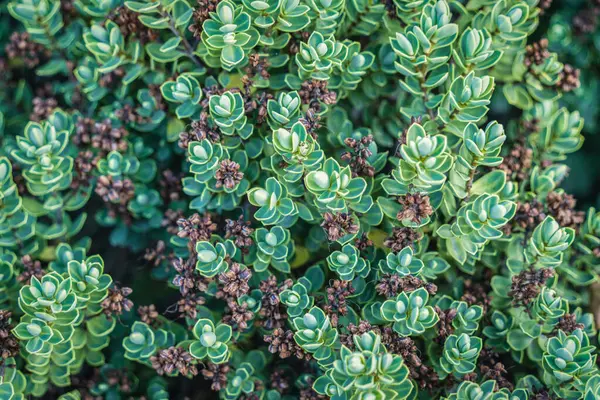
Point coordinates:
pixel 298 199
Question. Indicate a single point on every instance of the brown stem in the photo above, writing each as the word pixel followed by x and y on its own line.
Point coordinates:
pixel 424 90
pixel 470 182
pixel 189 50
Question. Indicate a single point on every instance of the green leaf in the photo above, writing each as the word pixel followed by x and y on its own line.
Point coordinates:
pixel 101 325
pixel 456 249
pixel 170 44
pixel 52 67
pixel 517 96
pixel 156 53
pixel 34 207
pixel 518 340
pixel 232 55
pixel 490 183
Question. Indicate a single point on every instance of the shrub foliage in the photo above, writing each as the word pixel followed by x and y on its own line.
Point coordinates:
pixel 345 199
